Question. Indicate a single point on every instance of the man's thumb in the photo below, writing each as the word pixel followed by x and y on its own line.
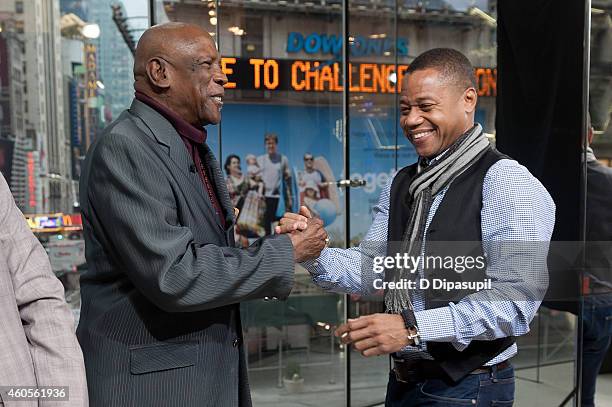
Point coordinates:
pixel 304 211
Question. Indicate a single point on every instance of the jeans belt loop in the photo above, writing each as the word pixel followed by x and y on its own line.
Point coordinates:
pixel 494 373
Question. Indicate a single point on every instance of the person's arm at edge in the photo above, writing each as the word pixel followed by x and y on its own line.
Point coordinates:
pixel 47 320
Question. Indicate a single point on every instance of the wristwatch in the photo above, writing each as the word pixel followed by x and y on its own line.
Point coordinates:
pixel 411 326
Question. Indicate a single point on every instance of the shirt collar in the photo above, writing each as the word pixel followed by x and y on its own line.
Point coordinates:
pixel 183 128
pixel 426 162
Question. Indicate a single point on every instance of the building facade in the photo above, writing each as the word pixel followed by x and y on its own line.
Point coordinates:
pixel 45 104
pixel 12 105
pixel 114 59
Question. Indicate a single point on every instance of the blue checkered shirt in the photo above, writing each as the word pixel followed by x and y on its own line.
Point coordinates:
pixel 515 207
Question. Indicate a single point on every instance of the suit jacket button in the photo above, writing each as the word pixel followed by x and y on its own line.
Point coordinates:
pixel 266 298
pixel 236 342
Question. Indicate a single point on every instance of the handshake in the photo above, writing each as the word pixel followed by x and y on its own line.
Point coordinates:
pixel 306 233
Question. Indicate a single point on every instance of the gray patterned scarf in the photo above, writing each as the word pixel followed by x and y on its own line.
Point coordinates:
pixel 426 184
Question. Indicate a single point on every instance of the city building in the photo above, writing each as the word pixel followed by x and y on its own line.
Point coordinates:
pixel 84 92
pixel 44 93
pixel 12 105
pixel 114 59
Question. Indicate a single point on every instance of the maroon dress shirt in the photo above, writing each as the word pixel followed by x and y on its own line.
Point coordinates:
pixel 192 137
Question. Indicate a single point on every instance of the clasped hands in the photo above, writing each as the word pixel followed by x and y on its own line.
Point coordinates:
pixel 306 232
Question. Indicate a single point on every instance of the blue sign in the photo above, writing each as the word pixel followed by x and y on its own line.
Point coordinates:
pixel 316 43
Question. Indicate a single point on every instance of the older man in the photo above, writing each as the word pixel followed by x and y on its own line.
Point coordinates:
pixel 160 323
pixel 38 349
pixel 463 202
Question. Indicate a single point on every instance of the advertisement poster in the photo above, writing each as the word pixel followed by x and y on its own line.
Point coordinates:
pixel 278 157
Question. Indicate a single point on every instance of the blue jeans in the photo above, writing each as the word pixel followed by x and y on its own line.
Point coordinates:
pixel 479 390
pixel 597 334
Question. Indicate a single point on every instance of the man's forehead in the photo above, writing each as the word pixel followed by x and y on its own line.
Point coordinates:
pixel 423 83
pixel 200 45
pixel 182 35
pixel 175 38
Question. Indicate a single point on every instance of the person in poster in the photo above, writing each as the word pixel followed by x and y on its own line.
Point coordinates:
pixel 318 191
pixel 237 183
pixel 276 175
pixel 237 188
pixel 246 194
pixel 254 174
pixel 310 173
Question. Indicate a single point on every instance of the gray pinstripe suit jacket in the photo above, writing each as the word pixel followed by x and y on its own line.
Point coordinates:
pixel 37 342
pixel 160 323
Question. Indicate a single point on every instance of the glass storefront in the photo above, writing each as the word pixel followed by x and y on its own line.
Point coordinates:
pixel 285 62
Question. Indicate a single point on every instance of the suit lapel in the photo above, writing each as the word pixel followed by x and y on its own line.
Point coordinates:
pixel 165 134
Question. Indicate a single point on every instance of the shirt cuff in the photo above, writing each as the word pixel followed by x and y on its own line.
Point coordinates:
pixel 436 325
pixel 315 266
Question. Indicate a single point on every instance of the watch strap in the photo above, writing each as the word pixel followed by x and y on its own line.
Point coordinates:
pixel 411 325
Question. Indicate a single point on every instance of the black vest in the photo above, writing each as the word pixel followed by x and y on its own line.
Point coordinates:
pixel 457 219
